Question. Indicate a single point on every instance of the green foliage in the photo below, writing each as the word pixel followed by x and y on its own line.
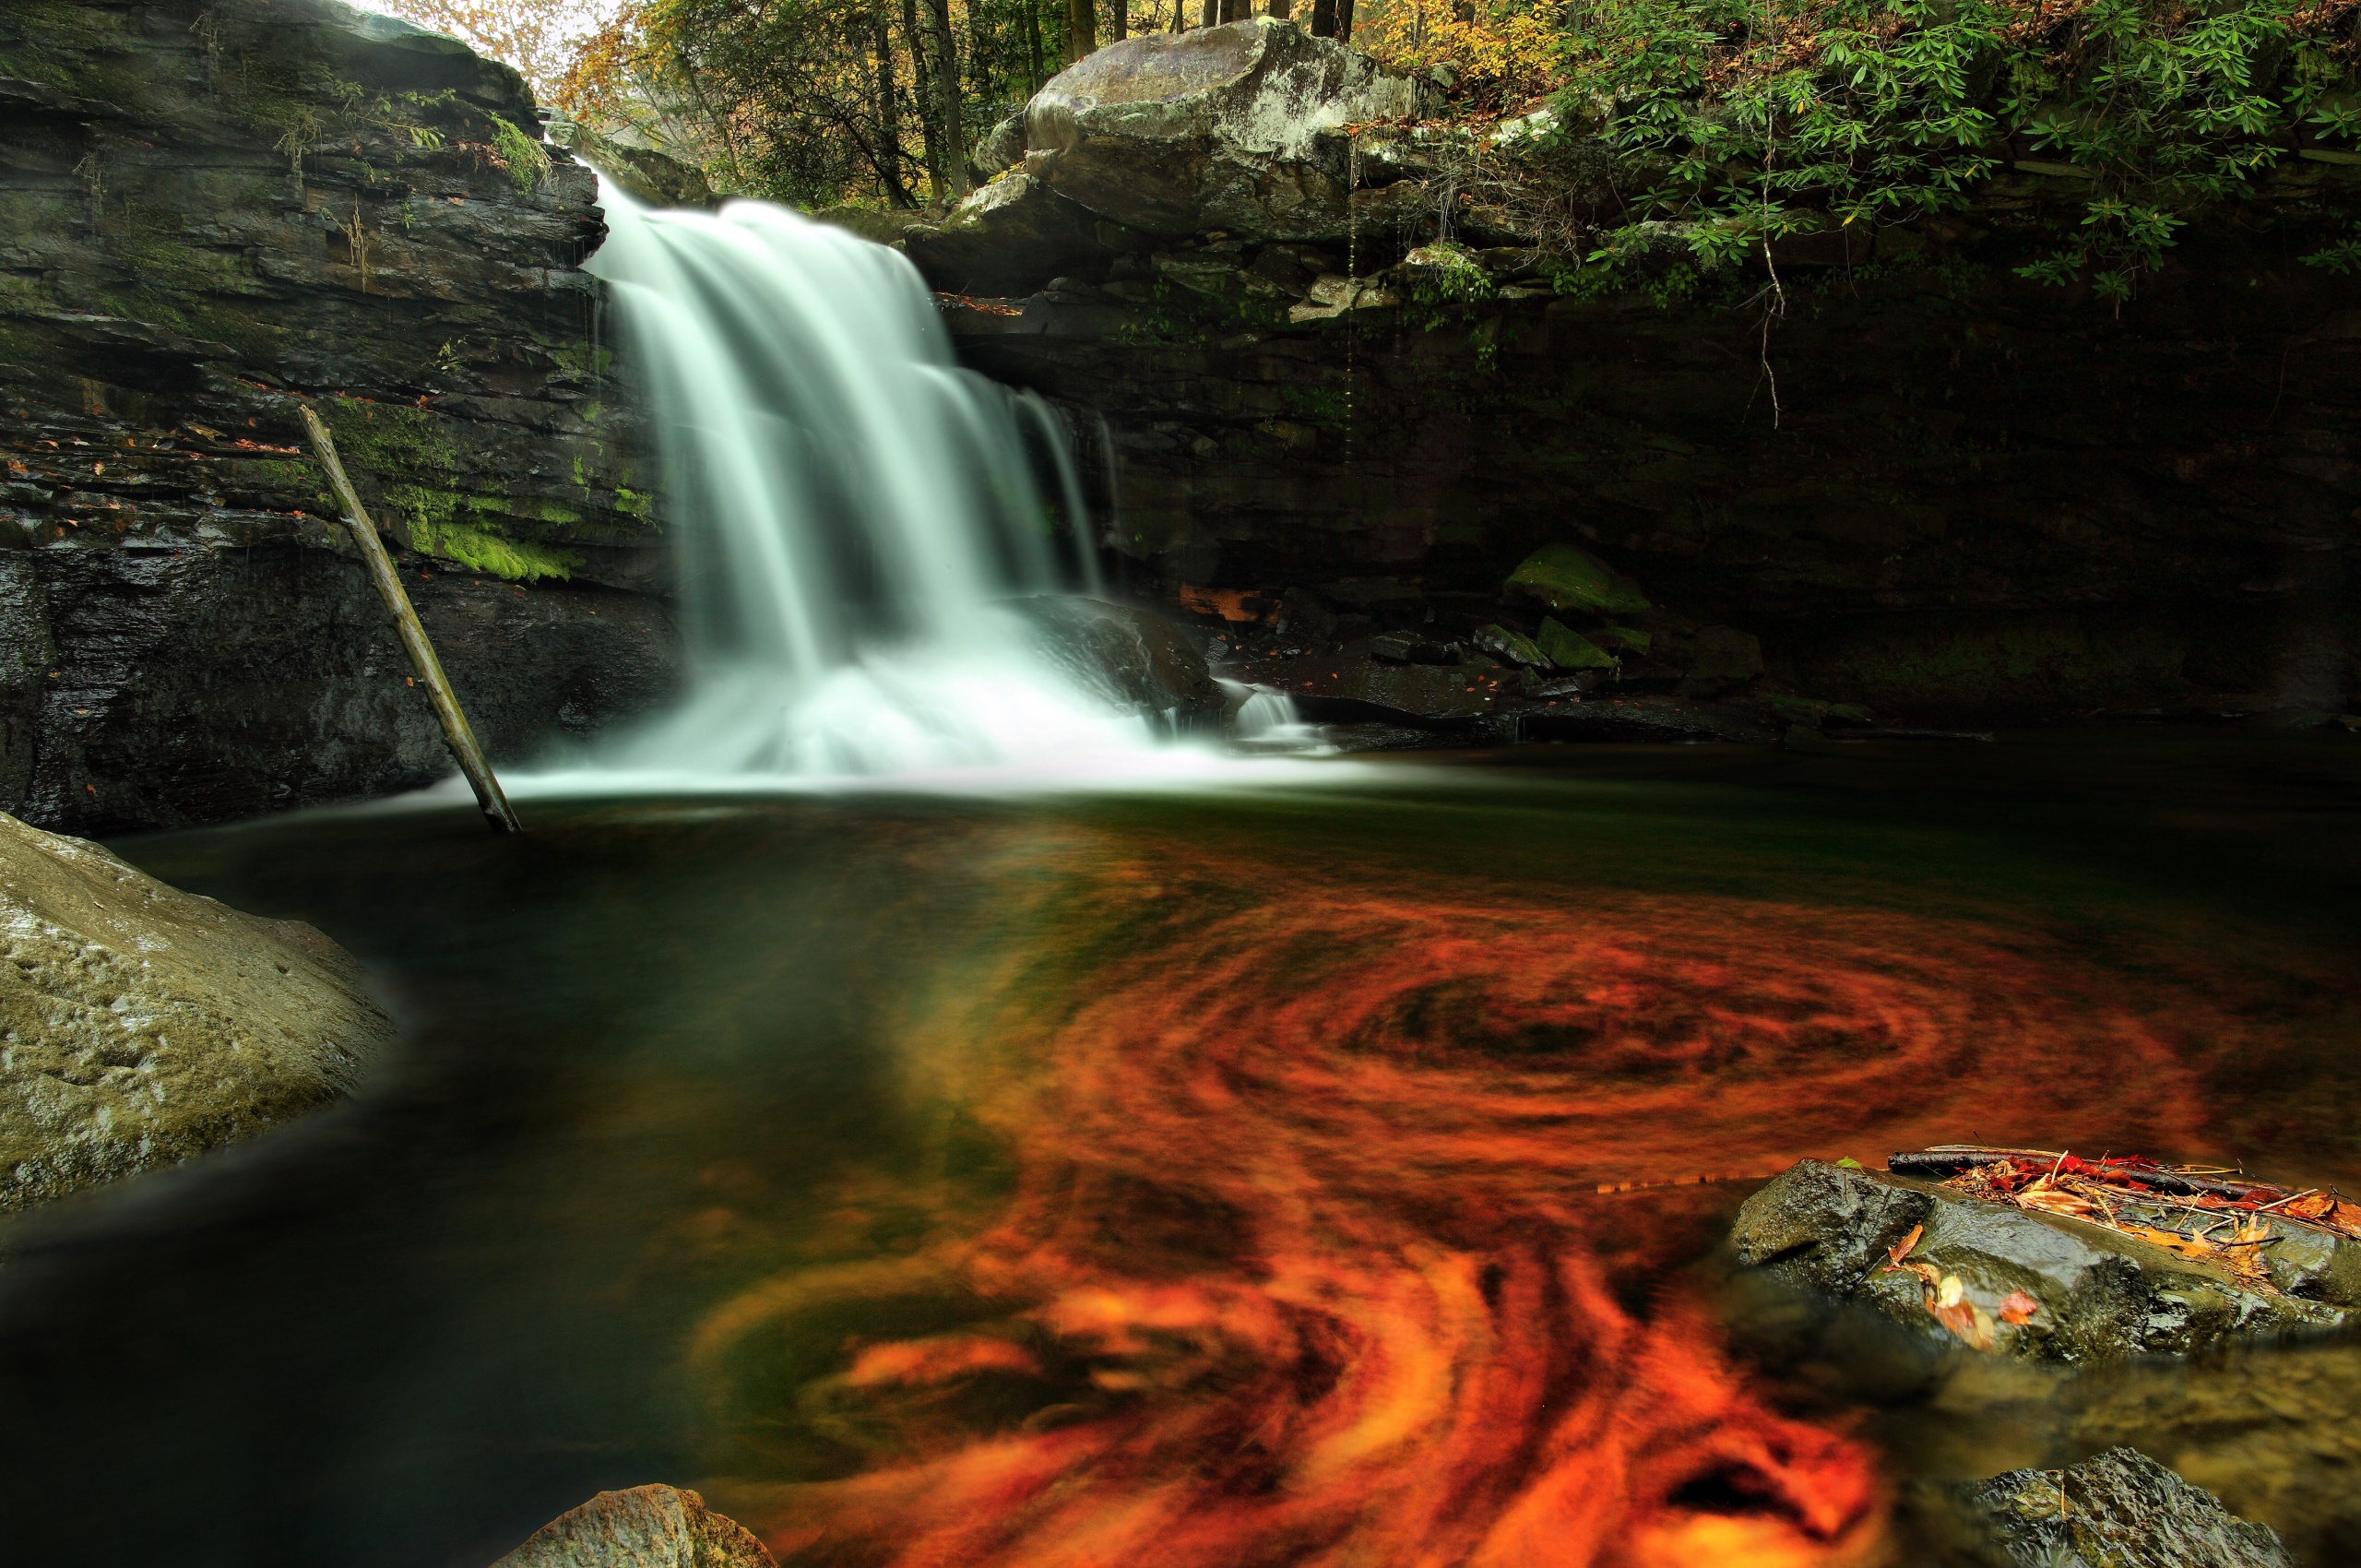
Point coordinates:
pixel 526 160
pixel 1447 273
pixel 1747 122
pixel 820 102
pixel 2342 256
pixel 391 443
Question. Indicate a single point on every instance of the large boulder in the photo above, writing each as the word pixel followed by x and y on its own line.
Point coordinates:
pixel 646 1527
pixel 2094 1293
pixel 1238 128
pixel 140 1025
pixel 2120 1509
pixel 1008 237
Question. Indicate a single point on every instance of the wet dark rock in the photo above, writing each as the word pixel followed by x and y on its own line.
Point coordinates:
pixel 1135 658
pixel 199 685
pixel 647 1527
pixel 1609 718
pixel 1376 737
pixel 1725 659
pixel 294 201
pixel 2100 1294
pixel 140 1025
pixel 1993 516
pixel 1390 691
pixel 1009 237
pixel 2119 1510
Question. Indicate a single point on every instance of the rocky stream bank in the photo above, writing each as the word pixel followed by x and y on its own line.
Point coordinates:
pixel 1341 402
pixel 1356 430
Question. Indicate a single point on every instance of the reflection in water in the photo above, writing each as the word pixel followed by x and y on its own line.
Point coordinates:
pixel 1304 1255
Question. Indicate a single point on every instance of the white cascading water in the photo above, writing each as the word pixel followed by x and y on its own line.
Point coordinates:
pixel 852 506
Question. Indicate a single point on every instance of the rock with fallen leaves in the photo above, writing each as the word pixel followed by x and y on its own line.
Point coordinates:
pixel 2122 1509
pixel 2041 1280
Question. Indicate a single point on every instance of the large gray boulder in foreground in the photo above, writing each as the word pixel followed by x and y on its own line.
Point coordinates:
pixel 1238 128
pixel 140 1025
pixel 648 1526
pixel 2119 1510
pixel 2096 1294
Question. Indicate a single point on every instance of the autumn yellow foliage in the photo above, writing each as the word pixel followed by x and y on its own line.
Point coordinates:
pixel 1498 54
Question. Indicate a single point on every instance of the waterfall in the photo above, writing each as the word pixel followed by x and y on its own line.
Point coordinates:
pixel 850 506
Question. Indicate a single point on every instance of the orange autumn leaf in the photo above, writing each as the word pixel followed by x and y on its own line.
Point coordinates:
pixel 2018 1307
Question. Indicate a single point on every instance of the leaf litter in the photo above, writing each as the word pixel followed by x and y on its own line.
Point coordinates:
pixel 2202 1213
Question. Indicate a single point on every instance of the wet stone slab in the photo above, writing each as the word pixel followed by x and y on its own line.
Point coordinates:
pixel 2084 1292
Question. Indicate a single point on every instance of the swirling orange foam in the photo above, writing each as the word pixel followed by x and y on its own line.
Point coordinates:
pixel 1308 1261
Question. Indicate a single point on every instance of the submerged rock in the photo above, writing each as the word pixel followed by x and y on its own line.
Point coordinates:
pixel 1137 658
pixel 140 1025
pixel 2095 1294
pixel 2119 1510
pixel 647 1527
pixel 1238 128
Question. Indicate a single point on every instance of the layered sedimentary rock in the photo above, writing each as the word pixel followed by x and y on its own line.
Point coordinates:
pixel 140 1025
pixel 207 212
pixel 1916 478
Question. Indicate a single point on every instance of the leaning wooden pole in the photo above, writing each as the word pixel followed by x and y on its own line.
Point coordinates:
pixel 422 652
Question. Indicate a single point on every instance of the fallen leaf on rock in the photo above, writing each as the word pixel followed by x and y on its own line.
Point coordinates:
pixel 2018 1307
pixel 1900 1250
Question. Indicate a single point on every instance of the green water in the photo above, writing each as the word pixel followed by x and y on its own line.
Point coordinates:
pixel 658 1056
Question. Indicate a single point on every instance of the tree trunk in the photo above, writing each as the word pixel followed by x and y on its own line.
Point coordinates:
pixel 1033 40
pixel 1082 30
pixel 1344 22
pixel 1119 20
pixel 946 83
pixel 1323 18
pixel 930 143
pixel 889 116
pixel 1282 9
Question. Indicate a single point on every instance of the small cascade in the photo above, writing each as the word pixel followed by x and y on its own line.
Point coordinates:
pixel 1266 719
pixel 851 507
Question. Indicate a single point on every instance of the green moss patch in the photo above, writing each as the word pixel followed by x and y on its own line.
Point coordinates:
pixel 1566 578
pixel 481 550
pixel 1569 649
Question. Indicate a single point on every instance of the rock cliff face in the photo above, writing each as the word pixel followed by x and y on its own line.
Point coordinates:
pixel 209 209
pixel 1927 484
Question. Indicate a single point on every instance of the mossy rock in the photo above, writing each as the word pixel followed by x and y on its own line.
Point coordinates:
pixel 1514 647
pixel 1566 578
pixel 1569 649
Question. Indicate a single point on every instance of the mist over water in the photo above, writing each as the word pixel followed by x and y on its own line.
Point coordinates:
pixel 851 509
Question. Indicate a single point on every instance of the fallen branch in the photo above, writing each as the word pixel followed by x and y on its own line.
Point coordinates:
pixel 455 732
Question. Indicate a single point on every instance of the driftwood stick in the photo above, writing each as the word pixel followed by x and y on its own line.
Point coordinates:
pixel 462 739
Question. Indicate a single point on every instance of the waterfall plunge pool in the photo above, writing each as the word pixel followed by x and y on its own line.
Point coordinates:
pixel 1199 1177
